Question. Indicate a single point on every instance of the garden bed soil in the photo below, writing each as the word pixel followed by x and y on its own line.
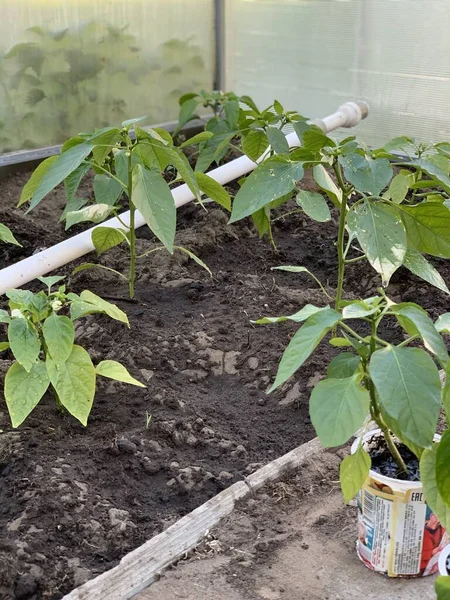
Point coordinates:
pixel 295 540
pixel 74 500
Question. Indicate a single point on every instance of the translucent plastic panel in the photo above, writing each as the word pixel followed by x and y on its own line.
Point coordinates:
pixel 314 54
pixel 72 65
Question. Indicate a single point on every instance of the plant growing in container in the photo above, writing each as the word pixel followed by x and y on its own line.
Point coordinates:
pixel 41 338
pixel 129 164
pixel 398 387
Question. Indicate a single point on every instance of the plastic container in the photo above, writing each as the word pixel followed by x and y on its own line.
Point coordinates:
pixel 398 535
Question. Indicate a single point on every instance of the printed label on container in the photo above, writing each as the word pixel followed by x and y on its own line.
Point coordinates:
pixel 398 533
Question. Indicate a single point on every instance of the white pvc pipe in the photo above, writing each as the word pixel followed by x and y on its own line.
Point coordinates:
pixel 347 115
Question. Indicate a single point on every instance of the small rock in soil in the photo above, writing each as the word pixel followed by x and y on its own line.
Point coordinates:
pixel 26 586
pixel 125 445
pixel 225 476
pixel 120 518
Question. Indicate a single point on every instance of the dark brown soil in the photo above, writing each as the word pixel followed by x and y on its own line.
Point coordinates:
pixel 73 501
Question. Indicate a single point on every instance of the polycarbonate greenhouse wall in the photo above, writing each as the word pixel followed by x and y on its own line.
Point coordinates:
pixel 71 65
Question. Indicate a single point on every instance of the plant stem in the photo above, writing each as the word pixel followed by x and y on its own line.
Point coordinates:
pixel 341 235
pixel 132 274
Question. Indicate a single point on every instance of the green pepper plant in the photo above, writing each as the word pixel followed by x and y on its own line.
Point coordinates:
pixel 7 236
pixel 394 217
pixel 396 385
pixel 41 338
pixel 128 165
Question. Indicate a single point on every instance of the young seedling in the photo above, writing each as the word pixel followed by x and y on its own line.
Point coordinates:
pixel 128 164
pixel 41 338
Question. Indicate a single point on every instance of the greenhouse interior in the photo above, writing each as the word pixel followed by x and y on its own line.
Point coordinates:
pixel 224 300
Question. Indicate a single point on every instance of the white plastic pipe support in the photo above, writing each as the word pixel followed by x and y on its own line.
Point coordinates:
pixel 17 275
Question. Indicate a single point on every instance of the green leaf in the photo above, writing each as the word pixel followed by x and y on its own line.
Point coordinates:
pixel 418 265
pixel 36 177
pixel 381 235
pixel 153 198
pixel 254 144
pixel 442 587
pixel 340 342
pixel 24 342
pixel 4 346
pixel 19 297
pixel 433 171
pixel 304 342
pixel 272 179
pixel 324 181
pixel 194 257
pixel 197 139
pixel 104 142
pixel 424 326
pixel 129 122
pixel 300 127
pixel 443 467
pixel 366 174
pixel 24 389
pixel 249 102
pixel 74 382
pixel 108 308
pixel 277 140
pixel 114 370
pixel 95 213
pixel 307 311
pixel 7 236
pixel 428 227
pixel 358 310
pixel 181 164
pixel 231 109
pixel 443 323
pixel 278 107
pixel 4 316
pixel 430 489
pixel 338 408
pixel 59 336
pixel 187 111
pixel 403 143
pixel 72 181
pixel 106 190
pixel 65 164
pixel 51 280
pixel 315 139
pixel 295 269
pixel 343 365
pixel 409 390
pixel 314 205
pixel 213 190
pixel 399 186
pixel 105 238
pixel 353 472
pixel 213 150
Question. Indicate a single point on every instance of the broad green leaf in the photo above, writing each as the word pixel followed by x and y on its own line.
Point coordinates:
pixel 343 365
pixel 353 472
pixel 181 164
pixel 129 122
pixel 443 323
pixel 304 342
pixel 315 139
pixel 160 134
pixel 324 181
pixel 51 280
pixel 4 316
pixel 254 144
pixel 24 389
pixel 4 346
pixel 187 111
pixel 109 309
pixel 307 311
pixel 443 467
pixel 74 382
pixel 104 142
pixel 277 140
pixel 433 171
pixel 114 370
pixel 418 265
pixel 106 190
pixel 95 213
pixel 399 186
pixel 278 107
pixel 80 308
pixel 424 326
pixel 249 102
pixel 272 179
pixel 105 238
pixel 72 181
pixel 366 174
pixel 213 190
pixel 194 257
pixel 36 177
pixel 403 143
pixel 71 206
pixel 137 158
pixel 430 488
pixel 153 198
pixel 340 342
pixel 74 141
pixel 213 150
pixel 428 227
pixel 358 310
pixel 381 235
pixel 6 235
pixel 65 164
pixel 300 127
pixel 19 297
pixel 338 408
pixel 197 139
pixel 314 205
pixel 442 587
pixel 409 390
pixel 261 221
pixel 59 336
pixel 231 109
pixel 24 342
